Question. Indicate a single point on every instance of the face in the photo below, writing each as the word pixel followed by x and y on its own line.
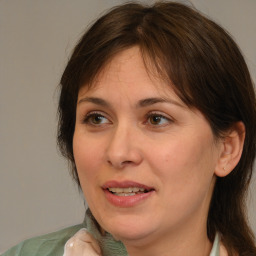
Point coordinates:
pixel 144 159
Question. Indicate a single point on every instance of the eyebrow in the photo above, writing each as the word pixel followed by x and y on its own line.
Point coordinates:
pixel 152 101
pixel 142 103
pixel 97 101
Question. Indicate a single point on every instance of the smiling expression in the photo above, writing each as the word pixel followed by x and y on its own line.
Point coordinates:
pixel 145 160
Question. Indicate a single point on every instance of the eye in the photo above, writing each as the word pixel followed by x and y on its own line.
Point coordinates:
pixel 96 119
pixel 157 119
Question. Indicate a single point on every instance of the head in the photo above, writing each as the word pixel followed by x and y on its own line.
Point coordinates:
pixel 204 69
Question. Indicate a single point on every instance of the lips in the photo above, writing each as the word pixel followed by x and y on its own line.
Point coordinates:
pixel 126 193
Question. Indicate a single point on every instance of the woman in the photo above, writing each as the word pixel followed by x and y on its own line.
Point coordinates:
pixel 157 116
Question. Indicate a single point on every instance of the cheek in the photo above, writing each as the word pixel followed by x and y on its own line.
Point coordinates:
pixel 185 179
pixel 186 167
pixel 87 158
pixel 178 157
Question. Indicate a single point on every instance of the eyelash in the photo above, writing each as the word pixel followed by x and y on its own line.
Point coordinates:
pixel 88 119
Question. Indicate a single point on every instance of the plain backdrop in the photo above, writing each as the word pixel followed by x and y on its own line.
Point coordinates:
pixel 37 194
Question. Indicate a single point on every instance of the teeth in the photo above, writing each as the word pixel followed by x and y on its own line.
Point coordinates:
pixel 127 191
pixel 125 194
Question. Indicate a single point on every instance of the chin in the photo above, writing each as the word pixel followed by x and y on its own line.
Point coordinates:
pixel 129 228
pixel 127 236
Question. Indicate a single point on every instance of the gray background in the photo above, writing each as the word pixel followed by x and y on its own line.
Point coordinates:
pixel 36 37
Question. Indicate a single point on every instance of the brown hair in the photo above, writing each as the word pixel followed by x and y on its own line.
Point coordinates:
pixel 208 73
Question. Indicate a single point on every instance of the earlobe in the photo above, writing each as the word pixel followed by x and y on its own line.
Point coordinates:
pixel 231 151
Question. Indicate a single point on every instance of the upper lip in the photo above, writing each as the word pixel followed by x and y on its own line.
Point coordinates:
pixel 125 184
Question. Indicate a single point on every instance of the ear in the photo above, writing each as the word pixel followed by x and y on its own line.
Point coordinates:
pixel 231 150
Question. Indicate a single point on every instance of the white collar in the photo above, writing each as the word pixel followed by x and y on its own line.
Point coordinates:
pixel 216 246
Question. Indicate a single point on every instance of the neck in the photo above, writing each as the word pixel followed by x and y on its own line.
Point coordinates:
pixel 179 244
pixel 188 238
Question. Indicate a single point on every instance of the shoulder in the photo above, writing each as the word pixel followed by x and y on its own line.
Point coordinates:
pixel 46 245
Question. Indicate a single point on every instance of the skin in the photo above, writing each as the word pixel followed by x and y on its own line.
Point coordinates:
pixel 164 145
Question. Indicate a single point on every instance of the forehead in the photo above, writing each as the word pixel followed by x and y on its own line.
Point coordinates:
pixel 129 73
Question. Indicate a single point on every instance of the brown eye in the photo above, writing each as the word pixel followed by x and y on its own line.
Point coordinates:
pixel 96 119
pixel 157 119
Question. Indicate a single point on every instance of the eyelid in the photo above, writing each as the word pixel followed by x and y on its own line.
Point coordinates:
pixel 94 112
pixel 160 113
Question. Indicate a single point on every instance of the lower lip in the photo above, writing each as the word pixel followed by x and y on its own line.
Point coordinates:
pixel 127 201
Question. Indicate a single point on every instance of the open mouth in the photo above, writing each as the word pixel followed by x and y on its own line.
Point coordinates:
pixel 130 191
pixel 127 193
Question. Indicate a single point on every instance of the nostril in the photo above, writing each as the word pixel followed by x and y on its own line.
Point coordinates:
pixel 120 164
pixel 126 162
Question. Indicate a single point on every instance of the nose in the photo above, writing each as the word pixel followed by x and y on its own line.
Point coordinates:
pixel 123 149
